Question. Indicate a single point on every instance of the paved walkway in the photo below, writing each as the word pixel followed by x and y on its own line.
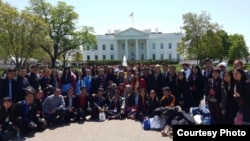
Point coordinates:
pixel 113 130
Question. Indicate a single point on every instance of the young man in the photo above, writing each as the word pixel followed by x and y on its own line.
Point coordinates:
pixel 116 109
pixel 54 108
pixel 97 104
pixel 24 113
pixel 71 104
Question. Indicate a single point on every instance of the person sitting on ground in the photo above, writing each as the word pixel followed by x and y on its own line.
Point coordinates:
pixel 116 107
pixel 153 103
pixel 54 108
pixel 6 110
pixel 168 99
pixel 24 113
pixel 39 109
pixel 83 101
pixel 71 104
pixel 135 104
pixel 97 104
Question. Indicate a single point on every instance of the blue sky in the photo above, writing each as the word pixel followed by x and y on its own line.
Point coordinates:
pixel 166 15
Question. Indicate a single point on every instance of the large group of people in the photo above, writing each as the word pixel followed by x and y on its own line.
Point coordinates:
pixel 33 99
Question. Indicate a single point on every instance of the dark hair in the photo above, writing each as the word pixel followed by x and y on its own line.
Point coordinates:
pixel 166 89
pixel 243 75
pixel 70 88
pixel 6 99
pixel 83 87
pixel 30 90
pixel 11 70
pixel 208 60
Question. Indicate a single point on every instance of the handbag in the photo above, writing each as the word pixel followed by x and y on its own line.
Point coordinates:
pixel 102 116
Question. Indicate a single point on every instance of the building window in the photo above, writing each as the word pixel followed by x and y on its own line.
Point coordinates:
pixel 123 46
pixel 162 56
pixel 111 57
pixel 169 56
pixel 88 47
pixel 103 47
pixel 178 57
pixel 153 56
pixel 88 57
pixel 111 47
pixel 142 56
pixel 162 45
pixel 104 57
pixel 96 57
pixel 142 46
pixel 153 45
pixel 169 45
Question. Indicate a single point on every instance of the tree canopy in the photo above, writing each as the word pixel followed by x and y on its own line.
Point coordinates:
pixel 20 33
pixel 63 32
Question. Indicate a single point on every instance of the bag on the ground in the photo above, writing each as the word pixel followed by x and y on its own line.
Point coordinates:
pixel 146 124
pixel 157 122
pixel 102 116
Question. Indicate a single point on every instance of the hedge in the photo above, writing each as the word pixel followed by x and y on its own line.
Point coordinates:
pixel 119 62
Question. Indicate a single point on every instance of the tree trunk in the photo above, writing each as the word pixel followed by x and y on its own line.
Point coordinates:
pixel 53 62
pixel 64 59
pixel 54 57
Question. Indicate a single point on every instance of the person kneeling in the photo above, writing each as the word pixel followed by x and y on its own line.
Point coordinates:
pixel 72 104
pixel 24 113
pixel 116 108
pixel 54 108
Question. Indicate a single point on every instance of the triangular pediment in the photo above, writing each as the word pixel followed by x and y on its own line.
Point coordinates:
pixel 131 32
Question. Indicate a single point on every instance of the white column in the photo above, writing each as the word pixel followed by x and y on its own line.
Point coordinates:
pixel 116 49
pixel 147 50
pixel 126 48
pixel 136 50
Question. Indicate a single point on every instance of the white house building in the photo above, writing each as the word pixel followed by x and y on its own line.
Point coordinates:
pixel 136 45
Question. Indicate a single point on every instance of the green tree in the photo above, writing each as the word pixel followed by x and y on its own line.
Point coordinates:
pixel 211 45
pixel 20 33
pixel 78 57
pixel 238 48
pixel 62 22
pixel 225 43
pixel 196 27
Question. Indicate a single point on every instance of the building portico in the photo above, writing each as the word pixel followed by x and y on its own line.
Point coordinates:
pixel 135 45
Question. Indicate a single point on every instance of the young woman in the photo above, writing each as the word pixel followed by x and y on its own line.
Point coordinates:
pixel 55 78
pixel 153 103
pixel 139 81
pixel 67 81
pixel 143 105
pixel 184 97
pixel 213 95
pixel 229 104
pixel 196 83
pixel 6 110
pixel 242 94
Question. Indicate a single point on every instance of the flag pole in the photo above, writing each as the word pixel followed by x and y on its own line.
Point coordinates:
pixel 132 16
pixel 133 20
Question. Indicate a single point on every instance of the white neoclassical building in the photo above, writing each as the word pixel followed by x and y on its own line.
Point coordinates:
pixel 136 45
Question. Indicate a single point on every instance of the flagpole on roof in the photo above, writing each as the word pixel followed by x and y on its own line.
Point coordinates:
pixel 132 16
